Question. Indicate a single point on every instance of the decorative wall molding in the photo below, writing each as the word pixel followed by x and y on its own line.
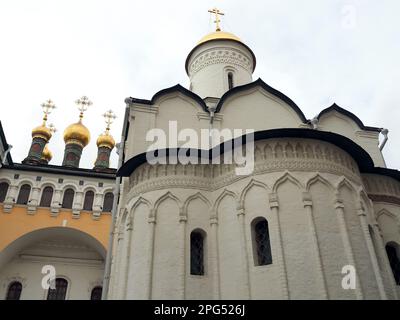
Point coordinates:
pixel 222 55
pixel 384 198
pixel 67 261
pixel 274 155
pixel 382 188
pixel 147 109
pixel 37 187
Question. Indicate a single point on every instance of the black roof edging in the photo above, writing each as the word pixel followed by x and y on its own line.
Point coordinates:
pixel 80 172
pixel 363 159
pixel 260 83
pixel 335 107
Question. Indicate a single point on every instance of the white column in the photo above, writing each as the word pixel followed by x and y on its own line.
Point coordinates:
pixel 182 232
pixel 113 273
pixel 12 193
pixel 150 254
pixel 245 255
pixel 124 259
pixel 56 202
pixel 97 202
pixel 117 266
pixel 34 197
pixel 371 250
pixel 33 200
pixel 77 205
pixel 11 198
pixel 307 202
pixel 274 205
pixel 120 263
pixel 214 257
pixel 78 200
pixel 339 209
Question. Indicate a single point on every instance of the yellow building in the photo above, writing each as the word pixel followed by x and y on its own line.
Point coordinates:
pixel 55 219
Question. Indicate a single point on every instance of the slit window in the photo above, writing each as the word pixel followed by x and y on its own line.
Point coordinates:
pixel 197 253
pixel 261 243
pixel 230 80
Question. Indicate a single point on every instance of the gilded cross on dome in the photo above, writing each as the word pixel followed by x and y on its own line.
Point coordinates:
pixel 109 117
pixel 47 107
pixel 217 14
pixel 83 103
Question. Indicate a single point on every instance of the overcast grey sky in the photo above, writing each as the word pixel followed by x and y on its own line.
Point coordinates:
pixel 316 52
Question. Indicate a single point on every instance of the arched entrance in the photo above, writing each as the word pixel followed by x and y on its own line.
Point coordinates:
pixel 75 256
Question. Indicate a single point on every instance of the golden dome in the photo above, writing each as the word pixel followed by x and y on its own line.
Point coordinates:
pixel 47 155
pixel 42 132
pixel 106 140
pixel 219 35
pixel 77 133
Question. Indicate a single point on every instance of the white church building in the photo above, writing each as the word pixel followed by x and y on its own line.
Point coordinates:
pixel 318 217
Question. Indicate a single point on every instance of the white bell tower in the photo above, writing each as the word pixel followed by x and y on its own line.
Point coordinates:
pixel 219 62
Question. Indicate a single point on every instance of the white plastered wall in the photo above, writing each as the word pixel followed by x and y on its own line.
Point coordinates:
pixel 315 224
pixel 210 63
pixel 341 124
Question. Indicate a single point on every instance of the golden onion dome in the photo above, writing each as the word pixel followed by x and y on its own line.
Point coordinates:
pixel 105 140
pixel 77 133
pixel 46 154
pixel 41 132
pixel 219 35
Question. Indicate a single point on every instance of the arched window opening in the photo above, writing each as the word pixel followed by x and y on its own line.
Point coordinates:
pixel 88 202
pixel 60 292
pixel 68 199
pixel 108 202
pixel 393 253
pixel 3 191
pixel 24 193
pixel 96 293
pixel 230 80
pixel 261 243
pixel 14 291
pixel 197 253
pixel 47 196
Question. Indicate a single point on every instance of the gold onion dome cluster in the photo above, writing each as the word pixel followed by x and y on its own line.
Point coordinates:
pixel 105 140
pixel 42 132
pixel 47 155
pixel 77 133
pixel 219 35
